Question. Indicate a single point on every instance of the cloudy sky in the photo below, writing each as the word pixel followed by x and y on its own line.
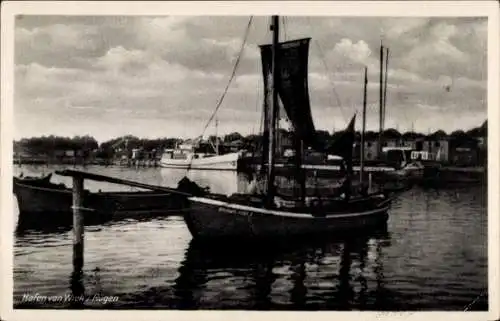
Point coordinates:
pixel 162 76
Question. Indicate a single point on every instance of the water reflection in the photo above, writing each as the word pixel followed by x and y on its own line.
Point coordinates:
pixel 21 231
pixel 436 260
pixel 298 294
pixel 77 289
pixel 297 275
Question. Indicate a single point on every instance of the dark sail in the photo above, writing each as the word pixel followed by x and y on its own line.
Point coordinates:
pixel 343 145
pixel 293 87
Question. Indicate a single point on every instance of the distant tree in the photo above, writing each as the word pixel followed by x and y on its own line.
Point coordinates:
pixel 391 133
pixel 459 138
pixel 48 145
pixel 232 137
pixel 439 134
pixel 458 134
pixel 412 135
pixel 252 142
pixel 481 131
pixel 371 135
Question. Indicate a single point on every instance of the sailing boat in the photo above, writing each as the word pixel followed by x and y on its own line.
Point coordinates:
pixel 269 214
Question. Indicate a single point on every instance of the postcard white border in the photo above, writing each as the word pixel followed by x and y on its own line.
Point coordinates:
pixel 303 8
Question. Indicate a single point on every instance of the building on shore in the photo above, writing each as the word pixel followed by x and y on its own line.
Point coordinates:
pixel 457 148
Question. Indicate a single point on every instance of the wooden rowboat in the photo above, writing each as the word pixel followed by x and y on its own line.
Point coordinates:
pixel 42 202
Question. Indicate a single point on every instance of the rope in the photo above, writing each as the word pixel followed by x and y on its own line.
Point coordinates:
pixel 258 145
pixel 240 54
pixel 258 104
pixel 284 28
pixel 322 56
pixel 233 73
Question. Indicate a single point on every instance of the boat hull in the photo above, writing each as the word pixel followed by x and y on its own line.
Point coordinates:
pixel 218 162
pixel 52 205
pixel 209 218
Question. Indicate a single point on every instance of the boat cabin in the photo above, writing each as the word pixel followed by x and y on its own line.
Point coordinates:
pixel 397 155
pixel 184 152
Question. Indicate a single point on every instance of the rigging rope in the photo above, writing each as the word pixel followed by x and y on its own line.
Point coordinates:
pixel 257 104
pixel 235 68
pixel 233 73
pixel 322 56
pixel 284 29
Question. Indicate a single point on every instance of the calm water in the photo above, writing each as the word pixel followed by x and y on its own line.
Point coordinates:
pixel 432 256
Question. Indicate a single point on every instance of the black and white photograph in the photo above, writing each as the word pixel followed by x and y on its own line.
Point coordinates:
pixel 259 160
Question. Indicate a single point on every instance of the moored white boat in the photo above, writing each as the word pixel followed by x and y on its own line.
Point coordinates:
pixel 192 160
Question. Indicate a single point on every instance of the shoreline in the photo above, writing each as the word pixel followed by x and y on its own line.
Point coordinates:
pixel 321 167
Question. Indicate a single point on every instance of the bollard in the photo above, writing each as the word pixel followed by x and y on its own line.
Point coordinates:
pixel 369 181
pixel 78 224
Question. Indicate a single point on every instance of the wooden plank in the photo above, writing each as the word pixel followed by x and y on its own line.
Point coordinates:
pixel 108 179
pixel 78 227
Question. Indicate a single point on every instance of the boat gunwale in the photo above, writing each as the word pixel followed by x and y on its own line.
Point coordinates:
pixel 68 190
pixel 198 167
pixel 265 211
pixel 43 188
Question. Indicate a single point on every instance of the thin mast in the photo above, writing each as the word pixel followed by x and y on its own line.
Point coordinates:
pixel 385 86
pixel 273 110
pixel 380 99
pixel 216 137
pixel 362 157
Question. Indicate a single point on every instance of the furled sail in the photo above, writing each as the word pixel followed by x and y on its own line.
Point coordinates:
pixel 292 86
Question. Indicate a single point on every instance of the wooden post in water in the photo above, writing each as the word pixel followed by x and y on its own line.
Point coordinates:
pixel 78 227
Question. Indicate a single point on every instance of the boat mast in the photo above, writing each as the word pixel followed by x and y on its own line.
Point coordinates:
pixel 381 103
pixel 385 86
pixel 362 157
pixel 273 111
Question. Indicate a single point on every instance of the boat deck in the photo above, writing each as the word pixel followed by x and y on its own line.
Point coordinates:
pixel 314 205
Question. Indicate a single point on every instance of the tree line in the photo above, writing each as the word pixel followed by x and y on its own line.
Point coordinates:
pixel 52 143
pixel 48 144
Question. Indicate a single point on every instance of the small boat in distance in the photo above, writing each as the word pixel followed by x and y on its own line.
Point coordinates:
pixel 265 213
pixel 186 156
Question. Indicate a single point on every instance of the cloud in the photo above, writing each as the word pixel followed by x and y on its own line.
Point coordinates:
pixel 357 52
pixel 57 45
pixel 401 29
pixel 153 75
